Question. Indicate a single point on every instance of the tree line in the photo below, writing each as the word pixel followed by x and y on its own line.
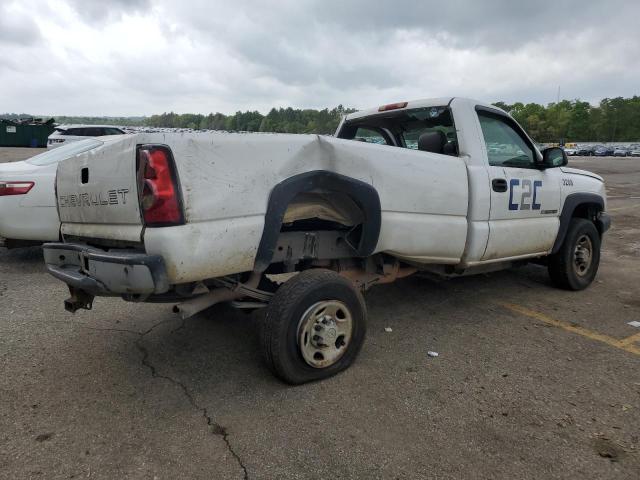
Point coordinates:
pixel 281 120
pixel 278 120
pixel 612 120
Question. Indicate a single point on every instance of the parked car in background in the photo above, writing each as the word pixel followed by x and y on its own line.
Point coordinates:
pixel 571 151
pixel 634 151
pixel 603 151
pixel 73 133
pixel 585 150
pixel 620 151
pixel 27 195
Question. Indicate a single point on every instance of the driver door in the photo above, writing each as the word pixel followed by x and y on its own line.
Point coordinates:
pixel 525 200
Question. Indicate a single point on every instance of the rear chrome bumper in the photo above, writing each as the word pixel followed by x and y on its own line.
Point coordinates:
pixel 106 273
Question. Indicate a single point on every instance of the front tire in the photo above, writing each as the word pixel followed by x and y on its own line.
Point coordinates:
pixel 314 327
pixel 575 266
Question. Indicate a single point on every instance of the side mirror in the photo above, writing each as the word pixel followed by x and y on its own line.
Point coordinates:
pixel 553 157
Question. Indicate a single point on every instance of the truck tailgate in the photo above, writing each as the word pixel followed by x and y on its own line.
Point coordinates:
pixel 97 192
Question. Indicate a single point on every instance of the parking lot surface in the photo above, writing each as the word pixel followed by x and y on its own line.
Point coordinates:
pixel 530 381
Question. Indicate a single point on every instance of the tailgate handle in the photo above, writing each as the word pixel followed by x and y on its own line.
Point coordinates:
pixel 499 185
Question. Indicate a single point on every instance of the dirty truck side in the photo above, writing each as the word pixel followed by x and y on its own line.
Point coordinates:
pixel 303 224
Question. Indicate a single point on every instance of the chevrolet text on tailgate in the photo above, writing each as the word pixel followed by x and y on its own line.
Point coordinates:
pixel 304 224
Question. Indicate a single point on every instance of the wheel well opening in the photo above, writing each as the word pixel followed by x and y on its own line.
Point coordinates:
pixel 589 211
pixel 318 225
pixel 322 209
pixel 319 215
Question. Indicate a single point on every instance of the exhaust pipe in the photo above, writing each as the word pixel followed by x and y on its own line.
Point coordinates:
pixel 365 279
pixel 189 308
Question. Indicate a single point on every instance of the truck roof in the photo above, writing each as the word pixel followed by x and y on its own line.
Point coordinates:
pixel 420 103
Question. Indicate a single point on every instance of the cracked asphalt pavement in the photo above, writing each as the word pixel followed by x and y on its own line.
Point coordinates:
pixel 517 391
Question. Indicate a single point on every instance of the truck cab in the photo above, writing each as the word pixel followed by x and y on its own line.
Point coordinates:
pixel 516 194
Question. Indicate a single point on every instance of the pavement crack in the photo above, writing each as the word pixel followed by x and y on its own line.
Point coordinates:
pixel 215 427
pixel 122 330
pixel 126 330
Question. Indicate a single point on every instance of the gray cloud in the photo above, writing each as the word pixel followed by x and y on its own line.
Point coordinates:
pixel 146 56
pixel 496 24
pixel 17 29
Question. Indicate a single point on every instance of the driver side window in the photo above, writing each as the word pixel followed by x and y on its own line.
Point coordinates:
pixel 505 146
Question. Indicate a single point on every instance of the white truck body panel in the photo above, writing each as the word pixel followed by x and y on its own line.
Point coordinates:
pixel 471 150
pixel 575 180
pixel 109 195
pixel 519 231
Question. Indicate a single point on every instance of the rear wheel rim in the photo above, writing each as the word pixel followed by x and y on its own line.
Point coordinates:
pixel 324 333
pixel 583 255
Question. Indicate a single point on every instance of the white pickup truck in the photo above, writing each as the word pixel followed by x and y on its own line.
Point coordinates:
pixel 302 224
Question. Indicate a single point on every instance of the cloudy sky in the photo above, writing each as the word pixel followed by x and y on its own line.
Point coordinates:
pixel 138 57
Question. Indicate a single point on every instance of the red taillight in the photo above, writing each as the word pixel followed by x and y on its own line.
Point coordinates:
pixel 392 106
pixel 15 188
pixel 159 196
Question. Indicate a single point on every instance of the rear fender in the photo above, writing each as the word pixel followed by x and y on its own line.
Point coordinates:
pixel 363 194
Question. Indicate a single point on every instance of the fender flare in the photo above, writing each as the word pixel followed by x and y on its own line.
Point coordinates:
pixel 365 196
pixel 572 202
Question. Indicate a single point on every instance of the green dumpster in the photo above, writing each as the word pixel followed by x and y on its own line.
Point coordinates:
pixel 25 133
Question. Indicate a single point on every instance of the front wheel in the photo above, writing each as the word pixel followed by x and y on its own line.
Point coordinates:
pixel 314 327
pixel 575 266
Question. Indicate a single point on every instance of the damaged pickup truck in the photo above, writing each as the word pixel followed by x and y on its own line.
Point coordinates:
pixel 303 224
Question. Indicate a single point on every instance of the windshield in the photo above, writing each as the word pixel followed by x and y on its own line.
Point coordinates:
pixel 64 152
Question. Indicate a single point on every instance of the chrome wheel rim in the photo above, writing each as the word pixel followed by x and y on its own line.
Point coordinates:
pixel 324 333
pixel 583 255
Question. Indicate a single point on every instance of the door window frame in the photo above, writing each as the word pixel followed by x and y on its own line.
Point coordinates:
pixel 501 116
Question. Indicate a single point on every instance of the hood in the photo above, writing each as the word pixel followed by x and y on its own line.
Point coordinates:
pixel 577 171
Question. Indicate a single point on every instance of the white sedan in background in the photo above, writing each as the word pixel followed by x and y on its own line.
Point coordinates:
pixel 65 134
pixel 571 151
pixel 28 213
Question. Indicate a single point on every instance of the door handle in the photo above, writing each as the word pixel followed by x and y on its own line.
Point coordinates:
pixel 499 185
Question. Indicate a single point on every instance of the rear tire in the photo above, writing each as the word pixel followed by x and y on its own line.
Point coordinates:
pixel 314 327
pixel 575 265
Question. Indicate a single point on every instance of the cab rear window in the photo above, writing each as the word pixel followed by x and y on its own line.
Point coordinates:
pixel 405 127
pixel 427 120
